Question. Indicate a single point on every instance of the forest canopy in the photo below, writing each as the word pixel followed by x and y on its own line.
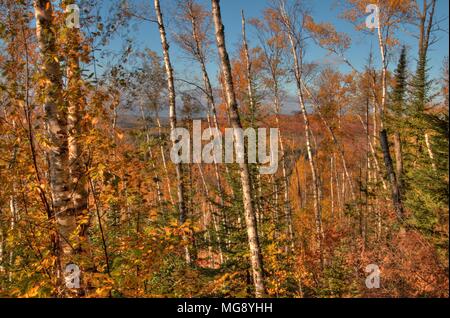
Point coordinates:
pixel 346 101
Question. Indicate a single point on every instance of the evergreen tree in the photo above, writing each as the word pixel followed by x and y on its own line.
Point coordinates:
pixel 427 192
pixel 399 91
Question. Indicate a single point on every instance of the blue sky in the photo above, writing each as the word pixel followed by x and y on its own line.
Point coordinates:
pixel 146 35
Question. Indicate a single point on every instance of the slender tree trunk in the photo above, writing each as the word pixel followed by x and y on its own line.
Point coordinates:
pixel 255 250
pixel 383 77
pixel 172 114
pixel 331 188
pixel 212 108
pixel 248 69
pixel 398 159
pixel 160 195
pixel 115 105
pixel 274 73
pixel 338 188
pixel 163 157
pixel 99 220
pixel 2 247
pixel 212 214
pixel 28 116
pixel 276 217
pixel 368 165
pixel 287 200
pixel 252 109
pixel 396 195
pixel 426 26
pixel 312 164
pixel 374 155
pixel 12 225
pixel 430 151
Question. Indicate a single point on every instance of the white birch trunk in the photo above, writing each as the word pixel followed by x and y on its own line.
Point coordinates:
pixel 56 126
pixel 252 233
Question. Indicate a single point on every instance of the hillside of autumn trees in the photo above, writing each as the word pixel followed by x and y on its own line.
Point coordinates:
pixel 91 204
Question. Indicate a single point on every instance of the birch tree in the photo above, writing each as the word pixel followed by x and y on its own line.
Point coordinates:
pixel 75 111
pixel 388 16
pixel 292 26
pixel 192 36
pixel 172 115
pixel 271 40
pixel 56 126
pixel 250 218
pixel 427 25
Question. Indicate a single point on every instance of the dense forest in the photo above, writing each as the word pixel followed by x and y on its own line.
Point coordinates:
pixel 92 203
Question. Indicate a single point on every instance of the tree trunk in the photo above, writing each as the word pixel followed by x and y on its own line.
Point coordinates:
pixel 396 195
pixel 56 126
pixel 331 188
pixel 398 159
pixel 338 188
pixel 199 54
pixel 312 164
pixel 211 212
pixel 430 151
pixel 382 48
pixel 2 246
pixel 157 180
pixel 248 69
pixel 76 102
pixel 424 43
pixel 374 155
pixel 172 114
pixel 163 157
pixel 252 108
pixel 255 251
pixel 287 200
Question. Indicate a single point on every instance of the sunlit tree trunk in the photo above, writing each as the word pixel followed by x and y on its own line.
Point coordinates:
pixel 212 215
pixel 255 250
pixel 308 133
pixel 287 200
pixel 75 110
pixel 384 143
pixel 199 54
pixel 172 114
pixel 398 158
pixel 374 155
pixel 248 69
pixel 163 157
pixel 425 27
pixel 252 109
pixel 331 188
pixel 56 126
pixel 151 157
pixel 2 246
